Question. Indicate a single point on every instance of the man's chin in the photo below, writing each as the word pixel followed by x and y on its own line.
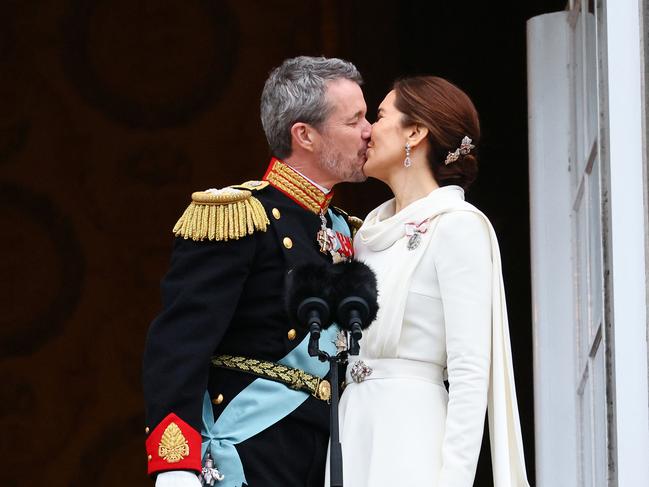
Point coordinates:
pixel 360 174
pixel 359 177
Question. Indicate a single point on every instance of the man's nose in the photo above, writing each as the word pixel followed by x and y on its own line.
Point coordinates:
pixel 367 130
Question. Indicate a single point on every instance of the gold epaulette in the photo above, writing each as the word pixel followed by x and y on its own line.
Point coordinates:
pixel 353 221
pixel 251 185
pixel 224 214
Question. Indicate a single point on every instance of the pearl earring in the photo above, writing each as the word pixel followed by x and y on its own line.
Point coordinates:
pixel 407 162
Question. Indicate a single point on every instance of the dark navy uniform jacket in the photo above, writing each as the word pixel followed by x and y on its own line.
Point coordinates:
pixel 227 297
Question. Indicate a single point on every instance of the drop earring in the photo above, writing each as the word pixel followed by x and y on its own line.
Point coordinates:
pixel 407 162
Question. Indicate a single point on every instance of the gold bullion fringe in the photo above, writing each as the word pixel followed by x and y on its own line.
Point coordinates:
pixel 222 221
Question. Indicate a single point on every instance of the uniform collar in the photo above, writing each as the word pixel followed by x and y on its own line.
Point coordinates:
pixel 319 186
pixel 297 187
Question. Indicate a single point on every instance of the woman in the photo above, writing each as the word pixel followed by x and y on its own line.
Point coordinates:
pixel 442 309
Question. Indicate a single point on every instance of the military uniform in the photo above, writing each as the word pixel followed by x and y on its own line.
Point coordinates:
pixel 207 356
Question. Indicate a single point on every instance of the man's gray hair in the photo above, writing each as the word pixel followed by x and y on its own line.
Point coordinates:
pixel 295 92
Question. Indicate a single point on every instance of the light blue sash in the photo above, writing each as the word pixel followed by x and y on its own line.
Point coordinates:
pixel 261 404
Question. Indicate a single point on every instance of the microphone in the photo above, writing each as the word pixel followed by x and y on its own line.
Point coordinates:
pixel 314 294
pixel 309 300
pixel 356 294
pixel 345 292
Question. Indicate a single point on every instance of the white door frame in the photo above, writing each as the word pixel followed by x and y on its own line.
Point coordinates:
pixel 625 250
pixel 550 134
pixel 622 152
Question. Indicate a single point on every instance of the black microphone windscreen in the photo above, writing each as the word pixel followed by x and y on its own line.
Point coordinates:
pixel 307 281
pixel 355 278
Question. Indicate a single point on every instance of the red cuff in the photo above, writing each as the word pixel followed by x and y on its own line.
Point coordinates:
pixel 173 445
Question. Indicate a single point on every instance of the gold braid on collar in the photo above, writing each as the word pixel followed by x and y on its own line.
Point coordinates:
pixel 297 187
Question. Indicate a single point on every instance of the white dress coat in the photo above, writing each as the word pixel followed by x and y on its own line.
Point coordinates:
pixel 442 314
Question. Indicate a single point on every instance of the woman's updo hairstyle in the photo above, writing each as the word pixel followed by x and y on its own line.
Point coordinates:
pixel 449 115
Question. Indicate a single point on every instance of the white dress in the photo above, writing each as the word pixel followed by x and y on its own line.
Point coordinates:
pixel 442 314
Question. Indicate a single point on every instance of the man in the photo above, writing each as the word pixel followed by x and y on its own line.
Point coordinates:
pixel 225 371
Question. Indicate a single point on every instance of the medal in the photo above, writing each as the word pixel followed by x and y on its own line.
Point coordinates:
pixel 326 237
pixel 414 241
pixel 337 245
pixel 415 231
pixel 324 242
pixel 341 341
pixel 209 474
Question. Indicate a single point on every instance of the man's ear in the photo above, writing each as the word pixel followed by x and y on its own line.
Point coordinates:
pixel 416 133
pixel 303 135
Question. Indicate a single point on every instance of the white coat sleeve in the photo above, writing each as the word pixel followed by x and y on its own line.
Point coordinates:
pixel 462 247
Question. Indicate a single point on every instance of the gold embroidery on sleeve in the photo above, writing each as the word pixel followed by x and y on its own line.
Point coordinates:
pixel 173 445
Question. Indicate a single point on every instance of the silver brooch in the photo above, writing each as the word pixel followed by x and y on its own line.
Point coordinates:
pixel 360 371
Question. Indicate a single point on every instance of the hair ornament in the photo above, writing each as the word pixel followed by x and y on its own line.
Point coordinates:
pixel 464 149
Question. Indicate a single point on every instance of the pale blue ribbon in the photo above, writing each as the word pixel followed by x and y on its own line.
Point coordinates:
pixel 339 224
pixel 261 404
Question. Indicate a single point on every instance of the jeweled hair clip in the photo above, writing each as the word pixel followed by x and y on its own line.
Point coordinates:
pixel 464 149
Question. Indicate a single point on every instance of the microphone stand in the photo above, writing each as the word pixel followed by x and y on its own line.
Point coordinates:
pixel 315 311
pixel 336 454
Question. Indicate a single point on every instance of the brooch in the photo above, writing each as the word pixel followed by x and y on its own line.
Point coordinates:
pixel 360 371
pixel 415 231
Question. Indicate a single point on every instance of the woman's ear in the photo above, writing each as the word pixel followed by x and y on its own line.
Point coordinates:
pixel 416 133
pixel 303 135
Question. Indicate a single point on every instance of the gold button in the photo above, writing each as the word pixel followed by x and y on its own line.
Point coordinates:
pixel 291 334
pixel 323 391
pixel 150 457
pixel 276 213
pixel 146 430
pixel 218 399
pixel 288 243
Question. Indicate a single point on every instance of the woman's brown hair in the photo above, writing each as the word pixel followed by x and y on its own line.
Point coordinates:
pixel 449 115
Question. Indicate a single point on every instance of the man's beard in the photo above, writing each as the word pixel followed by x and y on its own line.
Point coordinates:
pixel 346 169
